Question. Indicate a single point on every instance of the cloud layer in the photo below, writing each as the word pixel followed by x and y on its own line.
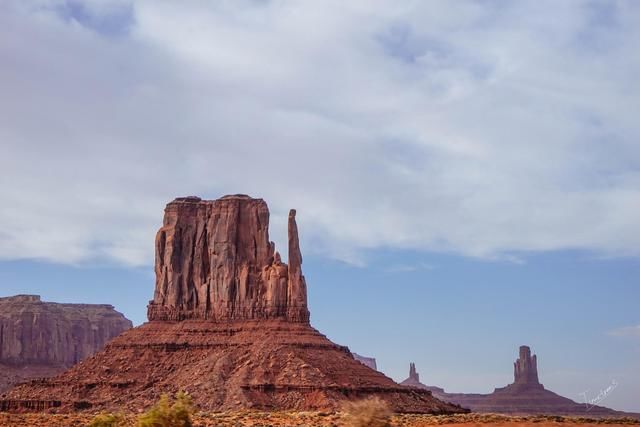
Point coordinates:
pixel 487 129
pixel 626 331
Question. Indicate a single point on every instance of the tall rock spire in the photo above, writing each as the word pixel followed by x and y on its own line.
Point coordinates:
pixel 297 287
pixel 525 368
pixel 412 372
pixel 414 378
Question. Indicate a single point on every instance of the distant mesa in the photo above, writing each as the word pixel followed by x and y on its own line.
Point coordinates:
pixel 366 361
pixel 525 396
pixel 41 339
pixel 228 323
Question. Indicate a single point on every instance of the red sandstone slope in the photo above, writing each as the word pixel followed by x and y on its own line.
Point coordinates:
pixel 228 323
pixel 260 364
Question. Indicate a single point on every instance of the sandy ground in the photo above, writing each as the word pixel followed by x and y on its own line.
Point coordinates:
pixel 254 419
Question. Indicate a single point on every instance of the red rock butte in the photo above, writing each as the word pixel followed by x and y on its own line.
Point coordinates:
pixel 228 324
pixel 525 396
pixel 214 261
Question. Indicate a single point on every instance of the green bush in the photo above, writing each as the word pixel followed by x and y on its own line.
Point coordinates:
pixel 371 412
pixel 107 420
pixel 166 414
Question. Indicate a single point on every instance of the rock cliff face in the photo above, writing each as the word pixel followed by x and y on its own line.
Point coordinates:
pixel 228 324
pixel 214 261
pixel 525 396
pixel 42 338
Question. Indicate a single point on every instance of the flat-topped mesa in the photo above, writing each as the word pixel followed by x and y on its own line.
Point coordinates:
pixel 214 261
pixel 366 361
pixel 20 299
pixel 525 368
pixel 38 333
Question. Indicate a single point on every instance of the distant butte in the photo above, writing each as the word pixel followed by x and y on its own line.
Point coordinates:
pixel 40 339
pixel 367 361
pixel 525 396
pixel 228 323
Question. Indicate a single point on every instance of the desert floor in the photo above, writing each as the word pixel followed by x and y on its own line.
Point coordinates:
pixel 321 419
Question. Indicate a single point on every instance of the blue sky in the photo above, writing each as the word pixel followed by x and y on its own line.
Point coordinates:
pixel 460 320
pixel 467 178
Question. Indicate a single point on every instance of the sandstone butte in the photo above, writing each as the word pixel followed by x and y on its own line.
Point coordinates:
pixel 228 324
pixel 367 361
pixel 525 396
pixel 41 339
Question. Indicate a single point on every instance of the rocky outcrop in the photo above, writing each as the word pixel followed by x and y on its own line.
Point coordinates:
pixel 228 324
pixel 414 377
pixel 525 396
pixel 525 369
pixel 414 381
pixel 214 261
pixel 366 361
pixel 40 339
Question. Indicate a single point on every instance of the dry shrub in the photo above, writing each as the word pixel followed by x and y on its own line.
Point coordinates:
pixel 165 414
pixel 370 412
pixel 107 420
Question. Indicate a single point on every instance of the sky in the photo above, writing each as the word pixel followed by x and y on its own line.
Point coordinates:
pixel 466 174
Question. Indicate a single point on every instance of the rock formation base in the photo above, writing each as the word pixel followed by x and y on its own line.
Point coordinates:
pixel 14 374
pixel 268 364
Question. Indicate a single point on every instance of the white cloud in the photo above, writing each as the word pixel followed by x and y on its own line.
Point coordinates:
pixel 488 129
pixel 626 331
pixel 408 268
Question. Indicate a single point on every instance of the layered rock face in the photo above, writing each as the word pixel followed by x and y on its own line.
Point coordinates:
pixel 214 261
pixel 266 364
pixel 525 396
pixel 43 338
pixel 229 324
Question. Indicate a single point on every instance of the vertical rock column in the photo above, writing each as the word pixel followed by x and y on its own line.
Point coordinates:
pixel 412 372
pixel 297 287
pixel 525 369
